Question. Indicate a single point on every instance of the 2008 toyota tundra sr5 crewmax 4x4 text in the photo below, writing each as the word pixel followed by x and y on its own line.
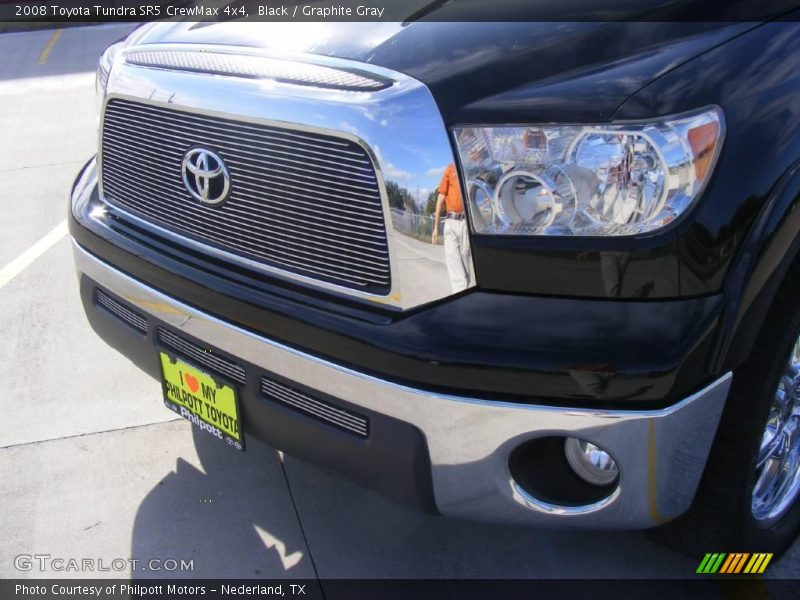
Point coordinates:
pixel 534 273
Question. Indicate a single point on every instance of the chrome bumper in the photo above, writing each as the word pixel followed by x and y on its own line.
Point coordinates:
pixel 661 454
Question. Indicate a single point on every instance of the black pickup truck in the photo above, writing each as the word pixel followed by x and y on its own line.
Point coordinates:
pixel 534 273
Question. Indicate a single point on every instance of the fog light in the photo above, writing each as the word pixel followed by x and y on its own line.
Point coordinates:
pixel 590 463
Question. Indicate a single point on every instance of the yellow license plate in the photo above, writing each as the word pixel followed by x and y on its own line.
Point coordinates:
pixel 202 399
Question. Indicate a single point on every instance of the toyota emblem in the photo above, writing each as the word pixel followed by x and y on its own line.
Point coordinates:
pixel 206 176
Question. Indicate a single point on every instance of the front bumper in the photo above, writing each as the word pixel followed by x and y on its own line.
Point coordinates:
pixel 661 454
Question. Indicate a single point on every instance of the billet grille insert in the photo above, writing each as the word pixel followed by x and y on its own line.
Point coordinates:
pixel 257 67
pixel 120 310
pixel 314 407
pixel 302 202
pixel 203 356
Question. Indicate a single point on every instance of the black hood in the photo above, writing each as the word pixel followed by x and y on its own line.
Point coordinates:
pixel 489 72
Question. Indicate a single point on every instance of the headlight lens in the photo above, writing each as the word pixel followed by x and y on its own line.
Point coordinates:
pixel 104 69
pixel 603 180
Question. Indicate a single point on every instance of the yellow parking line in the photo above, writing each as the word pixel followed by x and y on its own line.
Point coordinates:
pixel 48 47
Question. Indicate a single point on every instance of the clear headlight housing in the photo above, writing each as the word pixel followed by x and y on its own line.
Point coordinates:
pixel 597 180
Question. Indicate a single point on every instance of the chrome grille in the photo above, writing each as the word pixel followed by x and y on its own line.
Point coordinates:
pixel 300 202
pixel 121 311
pixel 256 67
pixel 203 356
pixel 319 409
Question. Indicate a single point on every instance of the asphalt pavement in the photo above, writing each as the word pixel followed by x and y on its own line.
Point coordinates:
pixel 94 466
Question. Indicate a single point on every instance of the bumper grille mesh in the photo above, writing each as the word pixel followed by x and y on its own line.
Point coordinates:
pixel 313 407
pixel 202 356
pixel 301 202
pixel 121 311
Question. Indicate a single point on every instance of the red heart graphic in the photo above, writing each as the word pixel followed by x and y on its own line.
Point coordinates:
pixel 192 382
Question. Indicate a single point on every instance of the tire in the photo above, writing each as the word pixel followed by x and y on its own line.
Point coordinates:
pixel 721 517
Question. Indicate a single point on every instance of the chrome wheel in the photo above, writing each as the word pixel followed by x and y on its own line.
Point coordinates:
pixel 778 465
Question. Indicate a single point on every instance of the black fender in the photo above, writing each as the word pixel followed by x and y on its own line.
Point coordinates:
pixel 770 247
pixel 744 233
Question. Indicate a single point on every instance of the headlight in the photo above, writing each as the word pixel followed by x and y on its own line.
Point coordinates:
pixel 598 180
pixel 104 69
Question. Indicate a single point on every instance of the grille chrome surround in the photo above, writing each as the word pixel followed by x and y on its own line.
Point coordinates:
pixel 257 67
pixel 202 356
pixel 399 127
pixel 314 407
pixel 121 311
pixel 286 187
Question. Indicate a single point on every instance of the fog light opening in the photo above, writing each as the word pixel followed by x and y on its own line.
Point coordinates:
pixel 540 468
pixel 590 462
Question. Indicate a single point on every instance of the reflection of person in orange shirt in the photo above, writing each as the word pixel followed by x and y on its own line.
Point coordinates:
pixel 456 238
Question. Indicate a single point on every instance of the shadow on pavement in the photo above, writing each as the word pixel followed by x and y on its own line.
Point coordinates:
pixel 234 520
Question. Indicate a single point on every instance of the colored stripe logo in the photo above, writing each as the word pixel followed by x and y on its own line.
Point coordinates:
pixel 734 563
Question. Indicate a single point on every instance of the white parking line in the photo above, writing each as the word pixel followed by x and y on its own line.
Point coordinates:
pixel 24 260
